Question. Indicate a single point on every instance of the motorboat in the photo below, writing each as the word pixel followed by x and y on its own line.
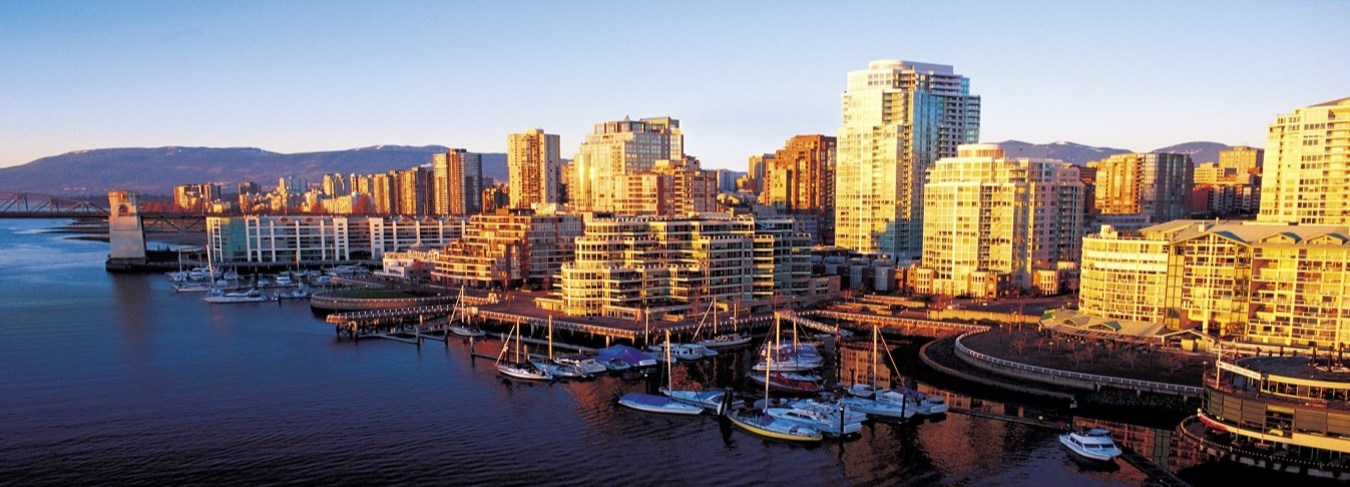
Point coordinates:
pixel 586 364
pixel 923 404
pixel 780 383
pixel 710 400
pixel 283 280
pixel 694 348
pixel 677 353
pixel 658 404
pixel 729 340
pixel 1092 444
pixel 230 275
pixel 831 423
pixel 559 370
pixel 524 371
pixel 221 297
pixel 770 427
pixel 880 409
pixel 861 390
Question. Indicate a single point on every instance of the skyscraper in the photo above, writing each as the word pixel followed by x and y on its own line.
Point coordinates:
pixel 899 117
pixel 619 148
pixel 457 182
pixel 799 180
pixel 533 166
pixel 985 214
pixel 1306 178
pixel 1156 185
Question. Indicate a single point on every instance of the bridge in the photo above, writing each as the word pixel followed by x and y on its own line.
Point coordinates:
pixel 31 205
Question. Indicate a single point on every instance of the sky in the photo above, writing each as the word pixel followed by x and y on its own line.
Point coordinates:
pixel 742 77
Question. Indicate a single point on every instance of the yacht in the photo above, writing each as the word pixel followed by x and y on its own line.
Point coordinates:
pixel 826 418
pixel 923 404
pixel 586 364
pixel 1093 444
pixel 725 341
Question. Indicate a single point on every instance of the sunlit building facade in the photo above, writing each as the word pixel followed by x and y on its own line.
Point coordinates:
pixel 1156 185
pixel 616 149
pixel 1306 178
pixel 898 118
pixel 533 164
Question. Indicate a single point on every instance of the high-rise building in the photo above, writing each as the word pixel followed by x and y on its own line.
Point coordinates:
pixel 384 193
pixel 754 177
pixel 671 187
pixel 899 117
pixel 988 214
pixel 1307 176
pixel 799 180
pixel 533 167
pixel 457 182
pixel 336 185
pixel 620 148
pixel 1243 159
pixel 1156 185
pixel 196 197
pixel 413 189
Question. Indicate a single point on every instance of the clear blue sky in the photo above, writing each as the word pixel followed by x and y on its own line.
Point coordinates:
pixel 742 77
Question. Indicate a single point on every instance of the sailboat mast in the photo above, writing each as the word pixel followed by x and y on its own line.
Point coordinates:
pixel 670 370
pixel 550 337
pixel 874 357
pixel 777 335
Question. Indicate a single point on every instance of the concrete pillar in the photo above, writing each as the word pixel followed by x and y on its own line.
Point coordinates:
pixel 126 236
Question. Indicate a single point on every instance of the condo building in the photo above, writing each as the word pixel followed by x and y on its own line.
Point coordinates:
pixel 898 118
pixel 1155 186
pixel 670 187
pixel 991 222
pixel 458 182
pixel 633 267
pixel 1306 176
pixel 799 180
pixel 620 148
pixel 1262 283
pixel 533 164
pixel 509 249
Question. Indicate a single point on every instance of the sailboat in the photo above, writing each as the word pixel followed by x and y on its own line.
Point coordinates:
pixel 659 404
pixel 461 326
pixel 765 425
pixel 869 401
pixel 729 340
pixel 519 369
pixel 554 367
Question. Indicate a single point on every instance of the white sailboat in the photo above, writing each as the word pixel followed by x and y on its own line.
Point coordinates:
pixel 459 323
pixel 554 367
pixel 867 398
pixel 519 369
pixel 765 425
pixel 729 340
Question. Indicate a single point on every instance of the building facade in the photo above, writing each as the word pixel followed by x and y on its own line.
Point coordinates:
pixel 1263 283
pixel 533 164
pixel 1308 172
pixel 899 117
pixel 457 182
pixel 1156 185
pixel 632 267
pixel 509 249
pixel 799 179
pixel 619 148
pixel 309 239
pixel 984 213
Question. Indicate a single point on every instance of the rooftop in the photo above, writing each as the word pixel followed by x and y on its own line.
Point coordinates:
pixel 1296 367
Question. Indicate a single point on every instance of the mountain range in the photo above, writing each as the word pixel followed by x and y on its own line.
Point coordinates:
pixel 157 170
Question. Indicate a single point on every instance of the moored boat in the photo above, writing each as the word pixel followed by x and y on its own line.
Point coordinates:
pixel 250 296
pixel 781 383
pixel 586 364
pixel 725 341
pixel 880 409
pixel 770 427
pixel 524 371
pixel 710 399
pixel 923 404
pixel 657 404
pixel 1092 444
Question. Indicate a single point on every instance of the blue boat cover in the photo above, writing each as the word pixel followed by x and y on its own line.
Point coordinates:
pixel 648 399
pixel 627 354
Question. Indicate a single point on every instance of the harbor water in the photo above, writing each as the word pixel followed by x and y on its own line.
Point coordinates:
pixel 117 379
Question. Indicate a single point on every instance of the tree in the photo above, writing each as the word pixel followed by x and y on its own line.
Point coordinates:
pixel 1020 344
pixel 1080 355
pixel 1129 356
pixel 1171 362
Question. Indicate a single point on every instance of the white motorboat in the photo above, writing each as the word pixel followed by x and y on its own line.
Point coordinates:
pixel 1092 444
pixel 230 275
pixel 616 365
pixel 827 419
pixel 586 364
pixel 250 296
pixel 710 400
pixel 657 404
pixel 695 348
pixel 297 293
pixel 283 280
pixel 677 353
pixel 559 370
pixel 923 404
pixel 880 409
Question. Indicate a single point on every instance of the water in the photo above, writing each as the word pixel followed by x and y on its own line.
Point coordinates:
pixel 116 379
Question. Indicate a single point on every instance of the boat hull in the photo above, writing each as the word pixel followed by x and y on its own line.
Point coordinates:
pixel 1108 456
pixel 658 404
pixel 795 433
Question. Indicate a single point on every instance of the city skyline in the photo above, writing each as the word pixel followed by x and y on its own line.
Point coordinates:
pixel 152 75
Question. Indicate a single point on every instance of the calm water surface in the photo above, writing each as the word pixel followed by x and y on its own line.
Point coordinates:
pixel 116 379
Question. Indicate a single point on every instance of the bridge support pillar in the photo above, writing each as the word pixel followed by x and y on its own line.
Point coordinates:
pixel 126 237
